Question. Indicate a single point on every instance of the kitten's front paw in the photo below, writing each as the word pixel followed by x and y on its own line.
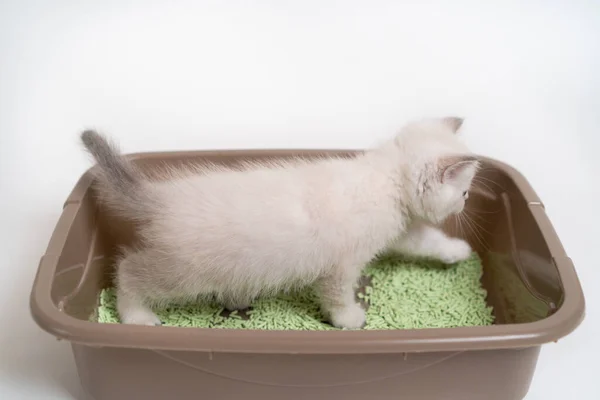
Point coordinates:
pixel 350 317
pixel 456 250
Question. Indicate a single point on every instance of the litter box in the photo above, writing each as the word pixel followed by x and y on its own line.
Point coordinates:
pixel 530 282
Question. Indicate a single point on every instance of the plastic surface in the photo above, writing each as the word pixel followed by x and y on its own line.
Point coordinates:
pixel 531 284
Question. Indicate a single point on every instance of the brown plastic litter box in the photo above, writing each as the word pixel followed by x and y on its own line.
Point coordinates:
pixel 531 285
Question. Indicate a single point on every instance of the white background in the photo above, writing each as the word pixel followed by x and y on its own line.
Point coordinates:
pixel 235 74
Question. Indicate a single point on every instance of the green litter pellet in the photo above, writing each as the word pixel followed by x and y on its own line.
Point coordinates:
pixel 400 294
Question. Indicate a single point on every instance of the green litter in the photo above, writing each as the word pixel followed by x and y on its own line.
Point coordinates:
pixel 398 294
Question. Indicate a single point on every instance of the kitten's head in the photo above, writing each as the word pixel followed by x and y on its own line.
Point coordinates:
pixel 437 166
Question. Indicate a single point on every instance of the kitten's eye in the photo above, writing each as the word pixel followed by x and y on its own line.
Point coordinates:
pixel 466 194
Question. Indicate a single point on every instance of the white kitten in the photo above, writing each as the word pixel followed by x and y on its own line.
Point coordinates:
pixel 236 235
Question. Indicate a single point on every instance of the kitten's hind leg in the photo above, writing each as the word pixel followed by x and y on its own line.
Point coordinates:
pixel 134 311
pixel 336 291
pixel 134 281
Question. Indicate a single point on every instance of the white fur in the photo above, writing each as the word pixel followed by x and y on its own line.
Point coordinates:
pixel 424 240
pixel 240 234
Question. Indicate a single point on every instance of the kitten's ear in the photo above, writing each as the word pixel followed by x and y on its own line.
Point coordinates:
pixel 457 167
pixel 453 123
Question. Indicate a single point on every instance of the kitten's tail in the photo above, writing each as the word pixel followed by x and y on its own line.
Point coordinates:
pixel 120 185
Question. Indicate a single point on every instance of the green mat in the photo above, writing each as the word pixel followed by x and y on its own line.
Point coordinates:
pixel 398 294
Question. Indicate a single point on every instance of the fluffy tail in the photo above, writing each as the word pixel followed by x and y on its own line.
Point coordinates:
pixel 120 185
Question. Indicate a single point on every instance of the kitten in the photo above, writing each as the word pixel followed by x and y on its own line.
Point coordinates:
pixel 236 235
